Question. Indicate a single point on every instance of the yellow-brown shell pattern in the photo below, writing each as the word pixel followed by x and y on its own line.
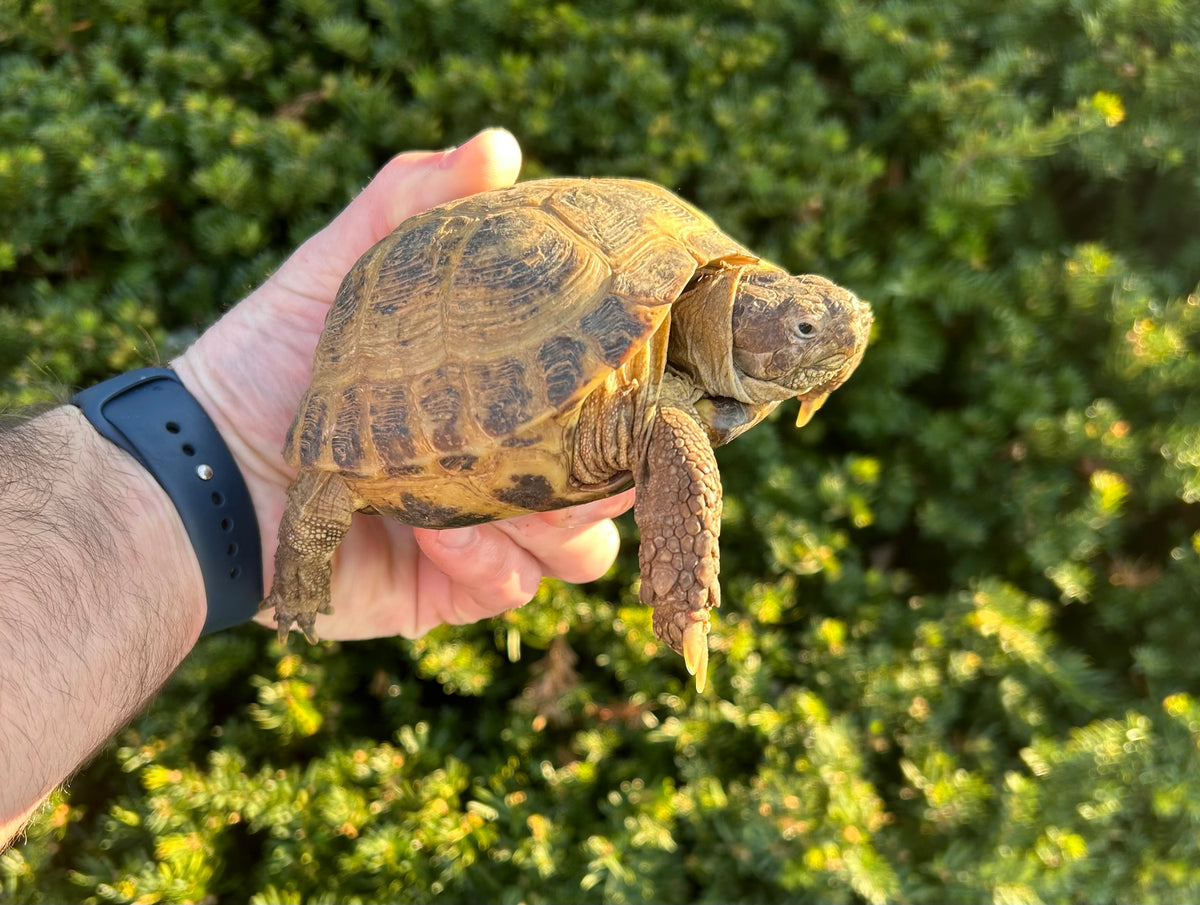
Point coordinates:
pixel 460 348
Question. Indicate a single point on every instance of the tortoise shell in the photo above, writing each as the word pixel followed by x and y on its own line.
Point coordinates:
pixel 449 378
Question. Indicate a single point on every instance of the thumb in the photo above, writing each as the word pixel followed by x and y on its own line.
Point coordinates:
pixel 416 181
pixel 408 184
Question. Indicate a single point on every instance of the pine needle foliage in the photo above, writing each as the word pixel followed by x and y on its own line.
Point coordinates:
pixel 956 661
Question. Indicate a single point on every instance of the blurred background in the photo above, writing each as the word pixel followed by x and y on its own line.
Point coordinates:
pixel 956 659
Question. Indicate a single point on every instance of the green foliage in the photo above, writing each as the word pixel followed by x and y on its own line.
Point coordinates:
pixel 956 661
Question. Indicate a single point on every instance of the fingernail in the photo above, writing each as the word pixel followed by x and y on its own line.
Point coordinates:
pixel 448 154
pixel 457 538
pixel 446 159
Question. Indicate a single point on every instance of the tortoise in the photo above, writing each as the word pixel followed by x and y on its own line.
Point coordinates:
pixel 546 344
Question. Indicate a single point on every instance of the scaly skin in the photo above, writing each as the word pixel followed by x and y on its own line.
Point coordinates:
pixel 678 512
pixel 316 519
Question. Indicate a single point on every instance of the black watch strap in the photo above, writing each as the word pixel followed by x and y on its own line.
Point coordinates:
pixel 152 416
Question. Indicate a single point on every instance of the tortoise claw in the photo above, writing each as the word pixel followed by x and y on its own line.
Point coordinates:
pixel 306 623
pixel 695 652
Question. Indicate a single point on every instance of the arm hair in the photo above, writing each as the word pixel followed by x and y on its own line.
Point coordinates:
pixel 100 599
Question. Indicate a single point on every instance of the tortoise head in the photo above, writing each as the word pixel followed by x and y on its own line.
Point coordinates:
pixel 796 336
pixel 751 336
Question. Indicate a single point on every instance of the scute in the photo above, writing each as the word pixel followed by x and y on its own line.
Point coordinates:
pixel 615 328
pixel 532 492
pixel 561 359
pixel 503 394
pixel 440 396
pixel 472 322
pixel 389 412
pixel 346 445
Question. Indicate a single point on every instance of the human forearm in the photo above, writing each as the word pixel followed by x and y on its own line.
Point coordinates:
pixel 101 597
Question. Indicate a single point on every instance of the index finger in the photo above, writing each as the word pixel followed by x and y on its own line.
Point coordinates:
pixel 585 513
pixel 578 544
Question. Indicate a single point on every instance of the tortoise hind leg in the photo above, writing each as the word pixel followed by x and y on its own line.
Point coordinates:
pixel 317 517
pixel 678 513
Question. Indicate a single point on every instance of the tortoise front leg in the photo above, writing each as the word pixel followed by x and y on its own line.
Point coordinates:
pixel 678 512
pixel 317 517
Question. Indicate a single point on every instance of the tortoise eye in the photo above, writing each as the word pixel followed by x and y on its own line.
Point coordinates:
pixel 804 330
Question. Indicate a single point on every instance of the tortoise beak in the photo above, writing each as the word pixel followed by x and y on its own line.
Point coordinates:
pixel 808 407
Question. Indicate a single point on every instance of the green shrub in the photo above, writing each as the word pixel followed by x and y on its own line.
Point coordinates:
pixel 956 660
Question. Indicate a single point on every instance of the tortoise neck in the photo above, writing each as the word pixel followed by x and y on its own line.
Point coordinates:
pixel 701 345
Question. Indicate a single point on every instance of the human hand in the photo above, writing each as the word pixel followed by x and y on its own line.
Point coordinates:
pixel 251 368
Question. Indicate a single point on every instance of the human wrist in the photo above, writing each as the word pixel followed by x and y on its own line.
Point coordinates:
pixel 210 371
pixel 147 529
pixel 151 415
